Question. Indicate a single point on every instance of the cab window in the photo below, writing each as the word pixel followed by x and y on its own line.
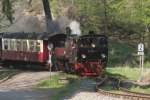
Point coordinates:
pixel 38 46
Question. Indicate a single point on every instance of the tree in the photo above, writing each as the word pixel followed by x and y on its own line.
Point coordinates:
pixel 7 10
pixel 48 15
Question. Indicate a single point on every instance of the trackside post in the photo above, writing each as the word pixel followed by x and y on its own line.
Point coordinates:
pixel 141 58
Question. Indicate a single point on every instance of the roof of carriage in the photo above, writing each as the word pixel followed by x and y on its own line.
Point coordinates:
pixel 36 36
pixel 93 35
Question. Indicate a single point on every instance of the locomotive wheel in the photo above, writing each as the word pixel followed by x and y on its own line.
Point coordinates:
pixel 79 72
pixel 72 68
pixel 69 68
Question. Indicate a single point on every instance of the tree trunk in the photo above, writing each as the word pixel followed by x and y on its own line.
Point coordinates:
pixel 7 10
pixel 29 2
pixel 48 15
pixel 105 18
pixel 148 34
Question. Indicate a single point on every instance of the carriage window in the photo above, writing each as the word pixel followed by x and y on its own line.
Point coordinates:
pixel 18 42
pixel 31 47
pixel 38 46
pixel 25 48
pixel 12 45
pixel 5 44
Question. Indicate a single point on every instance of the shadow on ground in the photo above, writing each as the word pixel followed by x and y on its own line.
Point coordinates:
pixel 38 94
pixel 6 74
pixel 75 86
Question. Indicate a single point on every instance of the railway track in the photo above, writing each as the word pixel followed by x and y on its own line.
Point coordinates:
pixel 124 93
pixel 6 74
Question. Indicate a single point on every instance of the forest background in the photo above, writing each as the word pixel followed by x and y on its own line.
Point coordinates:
pixel 125 22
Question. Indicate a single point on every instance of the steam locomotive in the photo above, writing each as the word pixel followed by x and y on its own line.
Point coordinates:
pixel 85 55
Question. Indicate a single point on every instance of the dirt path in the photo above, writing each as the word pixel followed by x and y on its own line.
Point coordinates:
pixel 20 87
pixel 24 80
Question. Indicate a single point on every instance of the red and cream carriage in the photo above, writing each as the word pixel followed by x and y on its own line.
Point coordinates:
pixel 29 47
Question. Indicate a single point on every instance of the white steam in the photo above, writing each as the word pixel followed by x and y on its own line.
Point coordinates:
pixel 75 28
pixel 27 24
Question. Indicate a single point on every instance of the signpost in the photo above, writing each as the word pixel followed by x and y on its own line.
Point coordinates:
pixel 50 47
pixel 141 55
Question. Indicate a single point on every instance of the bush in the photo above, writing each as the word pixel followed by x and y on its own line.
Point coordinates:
pixel 121 54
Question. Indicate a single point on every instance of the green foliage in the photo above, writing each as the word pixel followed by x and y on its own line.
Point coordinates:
pixel 62 90
pixel 51 83
pixel 126 18
pixel 89 13
pixel 127 21
pixel 147 64
pixel 7 10
pixel 121 54
pixel 140 89
pixel 125 72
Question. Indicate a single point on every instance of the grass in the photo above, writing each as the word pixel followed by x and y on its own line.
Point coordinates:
pixel 61 89
pixel 125 73
pixel 147 64
pixel 66 91
pixel 120 53
pixel 140 89
pixel 51 83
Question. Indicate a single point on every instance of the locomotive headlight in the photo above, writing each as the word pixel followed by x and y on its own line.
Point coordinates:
pixel 103 55
pixel 83 56
pixel 93 45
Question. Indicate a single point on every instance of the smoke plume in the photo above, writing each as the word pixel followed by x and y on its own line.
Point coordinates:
pixel 75 28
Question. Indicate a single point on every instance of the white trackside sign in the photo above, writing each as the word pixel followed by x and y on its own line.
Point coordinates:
pixel 141 47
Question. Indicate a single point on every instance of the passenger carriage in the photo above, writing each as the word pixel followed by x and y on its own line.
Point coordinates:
pixel 29 47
